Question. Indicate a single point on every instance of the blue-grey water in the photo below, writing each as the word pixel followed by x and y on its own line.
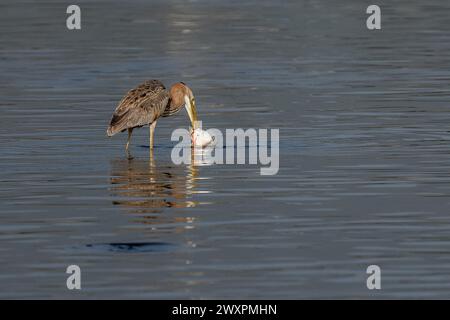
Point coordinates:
pixel 364 150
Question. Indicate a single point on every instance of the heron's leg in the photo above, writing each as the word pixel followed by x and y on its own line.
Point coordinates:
pixel 130 131
pixel 151 165
pixel 152 133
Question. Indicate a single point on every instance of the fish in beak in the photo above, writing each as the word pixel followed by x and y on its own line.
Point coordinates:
pixel 201 138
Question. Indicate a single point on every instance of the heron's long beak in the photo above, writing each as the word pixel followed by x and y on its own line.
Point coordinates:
pixel 192 111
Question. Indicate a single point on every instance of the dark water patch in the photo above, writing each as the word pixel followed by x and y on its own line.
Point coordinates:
pixel 133 247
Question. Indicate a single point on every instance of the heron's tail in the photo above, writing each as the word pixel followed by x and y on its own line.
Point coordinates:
pixel 110 131
pixel 118 123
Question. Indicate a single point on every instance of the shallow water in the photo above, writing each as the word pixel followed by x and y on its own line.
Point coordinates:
pixel 364 151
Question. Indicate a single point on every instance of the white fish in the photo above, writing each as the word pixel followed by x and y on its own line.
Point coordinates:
pixel 201 138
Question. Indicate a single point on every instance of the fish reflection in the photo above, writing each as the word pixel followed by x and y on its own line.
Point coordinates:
pixel 146 190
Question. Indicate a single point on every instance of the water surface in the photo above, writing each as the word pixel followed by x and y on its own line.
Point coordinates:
pixel 364 151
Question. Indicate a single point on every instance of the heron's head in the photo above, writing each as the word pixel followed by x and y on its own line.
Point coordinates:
pixel 182 95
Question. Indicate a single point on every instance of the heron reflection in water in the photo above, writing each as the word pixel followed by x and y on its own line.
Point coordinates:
pixel 147 190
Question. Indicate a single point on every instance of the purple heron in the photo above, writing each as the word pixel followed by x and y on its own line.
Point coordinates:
pixel 146 103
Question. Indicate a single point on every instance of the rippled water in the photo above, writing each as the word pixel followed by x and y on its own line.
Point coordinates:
pixel 364 151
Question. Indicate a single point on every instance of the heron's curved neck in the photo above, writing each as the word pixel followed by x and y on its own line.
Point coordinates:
pixel 176 103
pixel 177 93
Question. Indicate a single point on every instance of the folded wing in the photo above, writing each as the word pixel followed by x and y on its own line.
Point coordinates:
pixel 140 106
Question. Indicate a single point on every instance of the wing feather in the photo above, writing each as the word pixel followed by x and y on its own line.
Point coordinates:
pixel 140 106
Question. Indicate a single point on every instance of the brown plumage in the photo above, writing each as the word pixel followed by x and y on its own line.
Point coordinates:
pixel 146 103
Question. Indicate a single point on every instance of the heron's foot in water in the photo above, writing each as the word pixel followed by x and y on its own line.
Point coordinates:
pixel 128 155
